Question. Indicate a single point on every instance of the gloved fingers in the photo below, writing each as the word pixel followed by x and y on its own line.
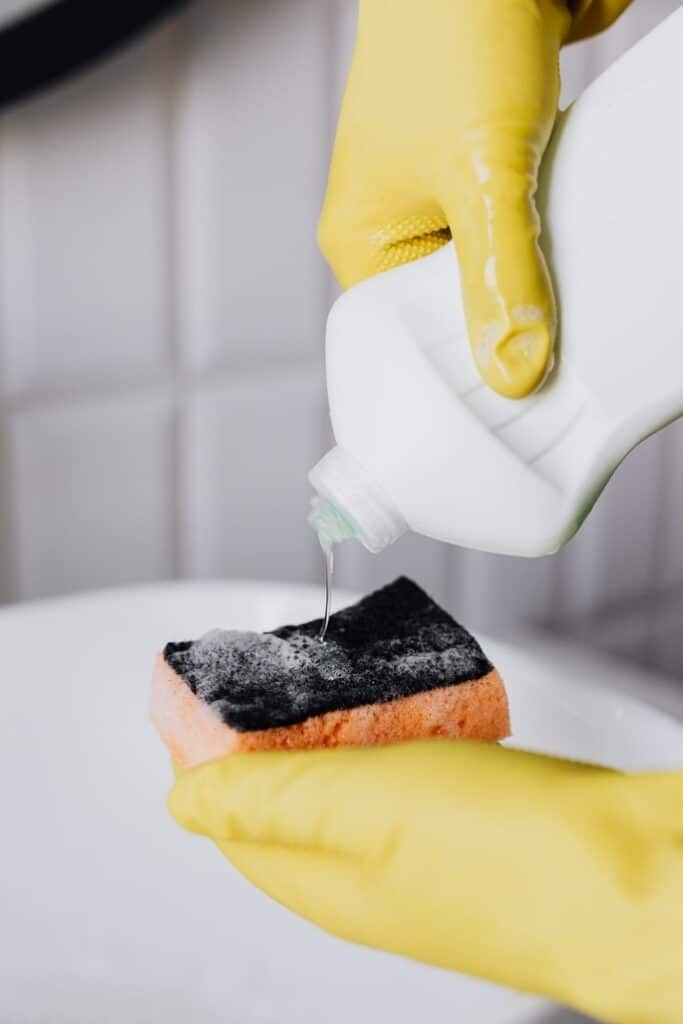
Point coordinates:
pixel 654 801
pixel 306 800
pixel 506 286
pixel 527 870
pixel 353 801
pixel 353 901
pixel 357 248
pixel 507 291
pixel 470 929
pixel 328 889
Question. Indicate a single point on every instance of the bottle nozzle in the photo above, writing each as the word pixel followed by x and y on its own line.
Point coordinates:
pixel 351 504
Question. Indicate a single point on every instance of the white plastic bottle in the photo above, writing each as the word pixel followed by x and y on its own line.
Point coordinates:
pixel 423 444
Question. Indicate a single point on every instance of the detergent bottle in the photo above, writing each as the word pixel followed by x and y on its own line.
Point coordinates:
pixel 423 444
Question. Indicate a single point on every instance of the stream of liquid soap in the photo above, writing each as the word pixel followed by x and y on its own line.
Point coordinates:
pixel 332 527
pixel 328 557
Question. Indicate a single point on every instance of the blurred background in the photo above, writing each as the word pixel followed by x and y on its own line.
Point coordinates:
pixel 162 311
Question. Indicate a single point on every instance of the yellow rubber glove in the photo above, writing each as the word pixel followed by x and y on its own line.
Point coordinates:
pixel 449 106
pixel 548 876
pixel 592 16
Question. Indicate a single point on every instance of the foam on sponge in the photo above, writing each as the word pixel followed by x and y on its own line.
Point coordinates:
pixel 393 644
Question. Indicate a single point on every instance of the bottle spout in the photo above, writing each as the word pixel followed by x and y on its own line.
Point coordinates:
pixel 351 504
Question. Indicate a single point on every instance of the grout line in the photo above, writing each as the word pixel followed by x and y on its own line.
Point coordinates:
pixel 331 15
pixel 336 15
pixel 448 574
pixel 9 568
pixel 165 376
pixel 83 392
pixel 177 509
pixel 170 85
pixel 658 555
pixel 9 555
pixel 559 582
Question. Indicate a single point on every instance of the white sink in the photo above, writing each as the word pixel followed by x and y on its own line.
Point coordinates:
pixel 110 913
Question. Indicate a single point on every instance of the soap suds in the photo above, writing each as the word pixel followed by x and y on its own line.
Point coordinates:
pixel 394 643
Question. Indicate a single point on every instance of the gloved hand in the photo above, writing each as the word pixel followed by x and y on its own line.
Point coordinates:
pixel 448 109
pixel 544 875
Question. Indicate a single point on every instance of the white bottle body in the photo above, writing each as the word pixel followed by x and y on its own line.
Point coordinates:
pixel 459 463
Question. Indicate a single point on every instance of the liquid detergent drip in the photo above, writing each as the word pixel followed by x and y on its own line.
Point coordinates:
pixel 331 528
pixel 423 444
pixel 329 573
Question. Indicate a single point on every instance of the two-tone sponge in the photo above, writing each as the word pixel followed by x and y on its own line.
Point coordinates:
pixel 395 666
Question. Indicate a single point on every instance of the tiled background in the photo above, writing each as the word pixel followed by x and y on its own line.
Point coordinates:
pixel 162 306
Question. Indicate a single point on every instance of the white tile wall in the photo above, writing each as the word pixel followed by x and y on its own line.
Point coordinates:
pixel 422 559
pixel 162 307
pixel 246 447
pixel 496 592
pixel 664 645
pixel 615 551
pixel 83 209
pixel 251 117
pixel 92 489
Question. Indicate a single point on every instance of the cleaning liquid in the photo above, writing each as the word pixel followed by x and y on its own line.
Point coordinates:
pixel 423 444
pixel 329 573
pixel 331 528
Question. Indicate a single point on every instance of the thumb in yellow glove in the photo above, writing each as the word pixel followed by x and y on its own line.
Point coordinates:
pixel 544 875
pixel 449 106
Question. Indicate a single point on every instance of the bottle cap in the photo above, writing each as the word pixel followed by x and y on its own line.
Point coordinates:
pixel 341 480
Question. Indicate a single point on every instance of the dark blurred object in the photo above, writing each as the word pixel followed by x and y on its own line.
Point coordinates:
pixel 41 47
